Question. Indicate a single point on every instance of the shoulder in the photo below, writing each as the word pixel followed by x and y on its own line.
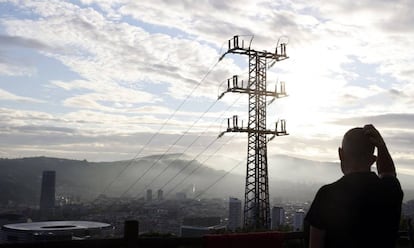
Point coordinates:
pixel 322 191
pixel 390 183
pixel 326 191
pixel 332 187
pixel 319 214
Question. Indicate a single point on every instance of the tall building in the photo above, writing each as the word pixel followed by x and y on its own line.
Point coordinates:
pixel 235 214
pixel 298 220
pixel 47 194
pixel 160 196
pixel 149 195
pixel 278 217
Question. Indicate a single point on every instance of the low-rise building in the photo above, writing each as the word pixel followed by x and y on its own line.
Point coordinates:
pixel 52 230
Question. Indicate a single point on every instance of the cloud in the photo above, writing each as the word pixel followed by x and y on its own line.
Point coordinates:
pixel 106 52
pixel 215 21
pixel 8 69
pixel 43 129
pixel 94 123
pixel 95 140
pixel 10 66
pixel 392 120
pixel 120 100
pixel 7 96
pixel 6 40
pixel 135 62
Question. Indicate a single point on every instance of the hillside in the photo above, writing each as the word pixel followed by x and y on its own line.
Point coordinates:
pixel 20 179
pixel 290 178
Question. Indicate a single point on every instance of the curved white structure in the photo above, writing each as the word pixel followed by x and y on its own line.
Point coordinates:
pixel 52 230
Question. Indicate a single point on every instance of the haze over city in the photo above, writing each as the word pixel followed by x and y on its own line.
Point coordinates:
pixel 96 79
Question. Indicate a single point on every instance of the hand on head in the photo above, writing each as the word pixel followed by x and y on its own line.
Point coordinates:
pixel 374 136
pixel 385 164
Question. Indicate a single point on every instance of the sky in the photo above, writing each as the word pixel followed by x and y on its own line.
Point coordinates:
pixel 111 80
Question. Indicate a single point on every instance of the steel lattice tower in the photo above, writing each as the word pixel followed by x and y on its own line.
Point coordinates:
pixel 256 202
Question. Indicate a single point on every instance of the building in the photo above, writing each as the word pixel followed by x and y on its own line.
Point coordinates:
pixel 54 230
pixel 235 214
pixel 149 195
pixel 47 194
pixel 298 220
pixel 200 226
pixel 160 196
pixel 278 217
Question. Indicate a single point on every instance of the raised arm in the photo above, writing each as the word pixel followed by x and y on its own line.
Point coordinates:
pixel 385 164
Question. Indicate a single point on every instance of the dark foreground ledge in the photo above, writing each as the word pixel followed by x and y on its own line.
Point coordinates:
pixel 142 242
pixel 239 240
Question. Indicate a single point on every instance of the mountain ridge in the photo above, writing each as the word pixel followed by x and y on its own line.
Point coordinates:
pixel 289 177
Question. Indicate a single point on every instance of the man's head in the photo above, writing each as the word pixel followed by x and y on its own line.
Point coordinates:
pixel 357 152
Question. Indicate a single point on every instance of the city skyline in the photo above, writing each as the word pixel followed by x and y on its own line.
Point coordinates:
pixel 96 79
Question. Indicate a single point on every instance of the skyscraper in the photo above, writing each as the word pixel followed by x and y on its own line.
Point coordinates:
pixel 298 220
pixel 235 218
pixel 47 193
pixel 149 195
pixel 160 196
pixel 278 217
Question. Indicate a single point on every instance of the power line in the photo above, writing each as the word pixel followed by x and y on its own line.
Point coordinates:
pixel 201 163
pixel 162 126
pixel 169 148
pixel 188 164
pixel 168 166
pixel 218 180
pixel 198 167
pixel 208 146
pixel 190 145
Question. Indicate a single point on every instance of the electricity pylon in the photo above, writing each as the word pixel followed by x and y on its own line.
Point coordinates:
pixel 256 201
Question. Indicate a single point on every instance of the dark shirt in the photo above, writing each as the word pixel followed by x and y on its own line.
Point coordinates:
pixel 358 210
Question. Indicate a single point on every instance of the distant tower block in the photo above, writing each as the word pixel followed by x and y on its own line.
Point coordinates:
pixel 160 196
pixel 278 217
pixel 149 195
pixel 47 195
pixel 235 214
pixel 298 220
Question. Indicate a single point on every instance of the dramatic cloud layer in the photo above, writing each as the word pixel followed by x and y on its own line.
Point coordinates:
pixel 97 79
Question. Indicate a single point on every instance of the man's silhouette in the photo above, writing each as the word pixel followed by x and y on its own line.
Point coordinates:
pixel 361 209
